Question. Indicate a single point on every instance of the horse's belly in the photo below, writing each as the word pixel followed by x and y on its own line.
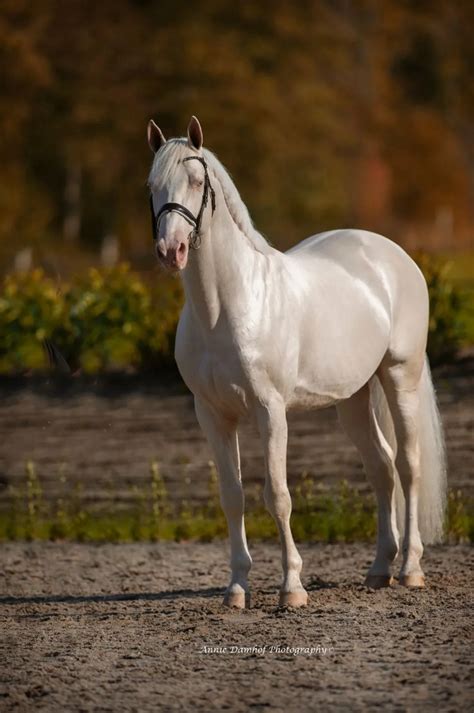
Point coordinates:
pixel 319 389
pixel 339 355
pixel 305 399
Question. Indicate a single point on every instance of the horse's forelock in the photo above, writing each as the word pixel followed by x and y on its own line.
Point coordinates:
pixel 165 161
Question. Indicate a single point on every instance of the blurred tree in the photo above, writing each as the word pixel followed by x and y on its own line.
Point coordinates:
pixel 25 208
pixel 327 113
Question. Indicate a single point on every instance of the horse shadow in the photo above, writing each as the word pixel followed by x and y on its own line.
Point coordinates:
pixel 107 598
pixel 314 584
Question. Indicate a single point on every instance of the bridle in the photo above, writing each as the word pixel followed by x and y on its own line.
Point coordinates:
pixel 194 221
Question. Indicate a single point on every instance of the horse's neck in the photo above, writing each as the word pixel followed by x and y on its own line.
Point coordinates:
pixel 216 278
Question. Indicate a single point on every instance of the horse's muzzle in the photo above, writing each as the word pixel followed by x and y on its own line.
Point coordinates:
pixel 173 257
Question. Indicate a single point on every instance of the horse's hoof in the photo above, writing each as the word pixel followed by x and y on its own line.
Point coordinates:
pixel 412 580
pixel 237 600
pixel 378 581
pixel 294 599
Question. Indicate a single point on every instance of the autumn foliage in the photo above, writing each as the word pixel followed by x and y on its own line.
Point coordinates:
pixel 327 114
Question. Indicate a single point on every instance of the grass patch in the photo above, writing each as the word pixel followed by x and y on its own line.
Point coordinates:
pixel 343 515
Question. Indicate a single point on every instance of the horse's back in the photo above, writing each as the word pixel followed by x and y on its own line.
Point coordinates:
pixel 344 245
pixel 365 256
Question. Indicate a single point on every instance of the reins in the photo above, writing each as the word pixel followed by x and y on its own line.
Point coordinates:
pixel 194 221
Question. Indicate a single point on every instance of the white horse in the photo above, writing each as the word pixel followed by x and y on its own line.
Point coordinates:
pixel 341 318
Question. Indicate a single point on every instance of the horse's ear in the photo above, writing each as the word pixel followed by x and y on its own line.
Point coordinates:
pixel 155 136
pixel 195 138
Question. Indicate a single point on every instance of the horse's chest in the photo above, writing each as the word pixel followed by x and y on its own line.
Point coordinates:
pixel 218 376
pixel 223 383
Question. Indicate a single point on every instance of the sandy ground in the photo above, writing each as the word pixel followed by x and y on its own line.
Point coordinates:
pixel 105 434
pixel 141 628
pixel 125 627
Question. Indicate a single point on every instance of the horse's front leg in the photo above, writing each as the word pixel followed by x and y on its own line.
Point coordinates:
pixel 273 429
pixel 222 437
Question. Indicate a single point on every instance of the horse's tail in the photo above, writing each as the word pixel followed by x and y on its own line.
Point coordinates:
pixel 433 485
pixel 432 488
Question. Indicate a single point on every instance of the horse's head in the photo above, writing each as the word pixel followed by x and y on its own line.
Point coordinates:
pixel 180 191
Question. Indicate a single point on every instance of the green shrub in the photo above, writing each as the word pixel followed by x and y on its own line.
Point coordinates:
pixel 448 310
pixel 106 320
pixel 168 299
pixel 111 319
pixel 118 322
pixel 32 308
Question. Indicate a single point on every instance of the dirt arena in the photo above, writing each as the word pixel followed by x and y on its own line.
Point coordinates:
pixel 141 628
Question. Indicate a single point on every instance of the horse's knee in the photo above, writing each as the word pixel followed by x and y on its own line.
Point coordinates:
pixel 277 499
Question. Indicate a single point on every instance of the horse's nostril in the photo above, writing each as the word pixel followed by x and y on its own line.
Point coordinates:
pixel 182 248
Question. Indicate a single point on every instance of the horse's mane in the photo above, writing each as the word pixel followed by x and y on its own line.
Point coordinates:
pixel 176 149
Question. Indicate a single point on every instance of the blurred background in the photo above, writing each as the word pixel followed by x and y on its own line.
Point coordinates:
pixel 327 113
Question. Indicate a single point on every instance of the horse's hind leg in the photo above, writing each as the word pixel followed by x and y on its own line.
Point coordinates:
pixel 222 437
pixel 400 382
pixel 358 419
